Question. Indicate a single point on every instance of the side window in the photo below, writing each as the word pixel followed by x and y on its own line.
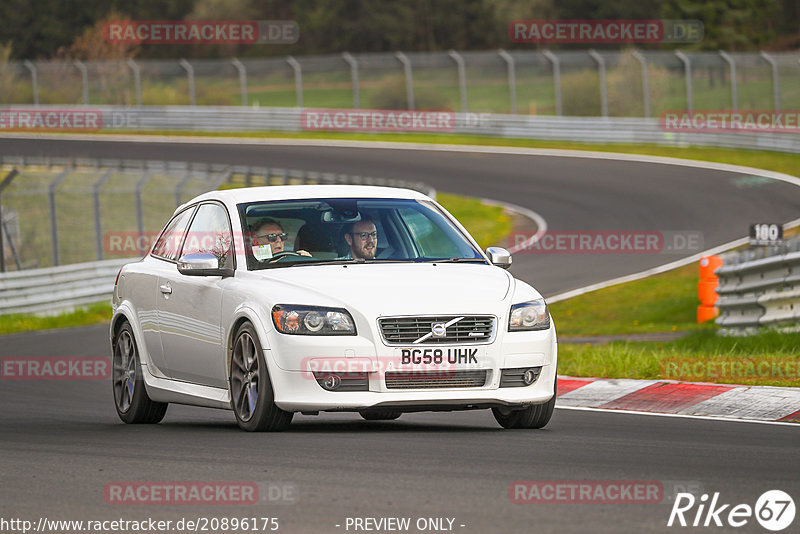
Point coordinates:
pixel 210 233
pixel 169 242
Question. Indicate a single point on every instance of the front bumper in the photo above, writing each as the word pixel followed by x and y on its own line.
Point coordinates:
pixel 297 390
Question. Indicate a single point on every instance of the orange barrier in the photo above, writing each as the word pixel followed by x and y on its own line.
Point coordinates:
pixel 706 288
pixel 709 264
pixel 706 313
pixel 706 292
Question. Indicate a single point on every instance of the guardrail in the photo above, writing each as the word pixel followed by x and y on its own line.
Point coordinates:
pixel 760 288
pixel 56 289
pixel 578 129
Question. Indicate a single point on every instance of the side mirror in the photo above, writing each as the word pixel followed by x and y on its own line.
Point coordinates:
pixel 202 265
pixel 499 257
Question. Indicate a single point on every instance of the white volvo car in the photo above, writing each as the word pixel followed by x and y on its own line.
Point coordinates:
pixel 273 300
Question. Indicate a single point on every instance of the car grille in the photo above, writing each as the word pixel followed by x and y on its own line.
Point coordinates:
pixel 407 330
pixel 435 379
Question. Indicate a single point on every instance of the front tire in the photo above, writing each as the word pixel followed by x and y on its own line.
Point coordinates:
pixel 130 396
pixel 252 397
pixel 531 417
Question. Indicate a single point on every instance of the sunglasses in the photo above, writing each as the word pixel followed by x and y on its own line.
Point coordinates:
pixel 272 237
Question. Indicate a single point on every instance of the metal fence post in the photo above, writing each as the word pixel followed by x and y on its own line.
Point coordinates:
pixel 298 79
pixel 14 254
pixel 242 78
pixel 353 78
pixel 5 183
pixel 776 87
pixel 137 80
pixel 34 80
pixel 601 71
pixel 84 80
pixel 687 69
pixel 556 79
pixel 190 76
pixel 180 186
pixel 734 90
pixel 98 225
pixel 402 58
pixel 51 191
pixel 512 79
pixel 645 82
pixel 139 214
pixel 462 78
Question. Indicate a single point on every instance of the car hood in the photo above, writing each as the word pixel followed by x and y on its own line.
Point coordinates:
pixel 394 289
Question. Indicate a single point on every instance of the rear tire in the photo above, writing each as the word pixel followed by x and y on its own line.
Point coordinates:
pixel 252 397
pixel 380 415
pixel 531 417
pixel 130 395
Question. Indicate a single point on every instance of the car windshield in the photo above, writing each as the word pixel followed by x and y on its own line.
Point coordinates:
pixel 305 232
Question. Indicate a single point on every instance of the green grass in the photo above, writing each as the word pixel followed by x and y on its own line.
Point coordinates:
pixel 665 302
pixel 99 312
pixel 487 224
pixel 701 356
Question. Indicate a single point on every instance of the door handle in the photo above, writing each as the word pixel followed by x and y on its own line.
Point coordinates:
pixel 166 289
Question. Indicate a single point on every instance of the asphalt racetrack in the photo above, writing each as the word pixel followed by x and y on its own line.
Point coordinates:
pixel 62 442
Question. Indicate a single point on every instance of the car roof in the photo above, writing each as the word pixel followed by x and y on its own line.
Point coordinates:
pixel 298 192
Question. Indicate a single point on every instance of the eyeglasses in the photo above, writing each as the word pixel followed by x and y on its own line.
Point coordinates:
pixel 272 237
pixel 364 235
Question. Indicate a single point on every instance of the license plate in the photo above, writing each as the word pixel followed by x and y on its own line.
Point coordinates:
pixel 441 356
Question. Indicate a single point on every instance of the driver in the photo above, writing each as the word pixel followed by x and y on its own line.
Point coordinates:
pixel 270 232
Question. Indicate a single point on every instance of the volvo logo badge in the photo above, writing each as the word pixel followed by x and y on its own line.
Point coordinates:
pixel 438 330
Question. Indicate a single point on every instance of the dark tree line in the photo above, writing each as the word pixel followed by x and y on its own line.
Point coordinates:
pixel 49 28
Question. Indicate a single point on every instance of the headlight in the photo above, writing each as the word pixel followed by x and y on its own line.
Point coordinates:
pixel 531 315
pixel 312 320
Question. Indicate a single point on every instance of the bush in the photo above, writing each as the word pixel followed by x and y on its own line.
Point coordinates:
pixel 581 89
pixel 580 93
pixel 391 94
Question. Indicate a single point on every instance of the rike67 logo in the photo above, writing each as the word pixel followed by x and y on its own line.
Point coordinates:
pixel 774 510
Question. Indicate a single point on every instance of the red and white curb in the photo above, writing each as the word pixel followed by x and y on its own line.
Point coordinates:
pixel 754 403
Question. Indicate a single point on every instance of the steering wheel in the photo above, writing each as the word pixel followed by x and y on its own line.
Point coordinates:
pixel 280 255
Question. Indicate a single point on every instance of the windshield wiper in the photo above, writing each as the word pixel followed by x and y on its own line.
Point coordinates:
pixel 451 260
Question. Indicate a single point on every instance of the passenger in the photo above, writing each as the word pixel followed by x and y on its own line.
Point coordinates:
pixel 362 237
pixel 270 232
